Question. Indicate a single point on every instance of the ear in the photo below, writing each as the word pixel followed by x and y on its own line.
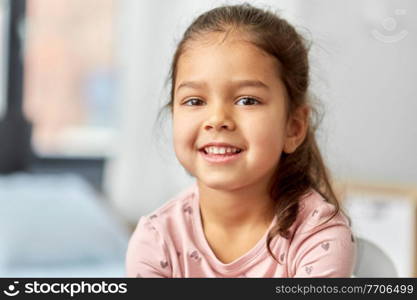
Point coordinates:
pixel 296 129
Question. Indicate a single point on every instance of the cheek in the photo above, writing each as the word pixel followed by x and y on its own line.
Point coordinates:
pixel 184 134
pixel 267 132
pixel 266 137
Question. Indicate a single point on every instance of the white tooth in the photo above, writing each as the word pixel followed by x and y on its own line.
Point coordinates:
pixel 220 150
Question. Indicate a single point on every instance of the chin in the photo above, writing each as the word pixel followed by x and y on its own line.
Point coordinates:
pixel 219 184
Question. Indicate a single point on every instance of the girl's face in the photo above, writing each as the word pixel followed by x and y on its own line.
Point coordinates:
pixel 229 92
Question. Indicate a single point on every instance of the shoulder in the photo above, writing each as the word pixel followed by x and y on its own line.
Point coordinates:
pixel 170 214
pixel 150 247
pixel 322 244
pixel 314 211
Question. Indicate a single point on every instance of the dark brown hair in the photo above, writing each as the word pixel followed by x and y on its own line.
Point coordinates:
pixel 304 169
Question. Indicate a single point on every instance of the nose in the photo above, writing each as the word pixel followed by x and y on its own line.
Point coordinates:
pixel 219 118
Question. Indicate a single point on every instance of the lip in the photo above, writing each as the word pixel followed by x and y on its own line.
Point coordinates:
pixel 219 145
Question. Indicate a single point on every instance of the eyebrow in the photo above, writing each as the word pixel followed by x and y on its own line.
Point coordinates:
pixel 236 83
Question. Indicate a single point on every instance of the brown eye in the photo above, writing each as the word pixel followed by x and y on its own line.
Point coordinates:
pixel 248 101
pixel 193 102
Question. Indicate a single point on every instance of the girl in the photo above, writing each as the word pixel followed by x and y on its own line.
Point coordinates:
pixel 262 204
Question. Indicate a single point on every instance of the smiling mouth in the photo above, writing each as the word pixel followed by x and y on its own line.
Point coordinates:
pixel 220 149
pixel 220 157
pixel 221 152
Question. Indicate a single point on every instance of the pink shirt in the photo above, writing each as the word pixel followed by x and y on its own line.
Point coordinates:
pixel 170 242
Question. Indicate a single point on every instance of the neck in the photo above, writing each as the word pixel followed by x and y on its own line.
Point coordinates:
pixel 245 208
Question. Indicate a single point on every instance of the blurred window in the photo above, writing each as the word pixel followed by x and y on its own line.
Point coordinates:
pixel 4 27
pixel 70 82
